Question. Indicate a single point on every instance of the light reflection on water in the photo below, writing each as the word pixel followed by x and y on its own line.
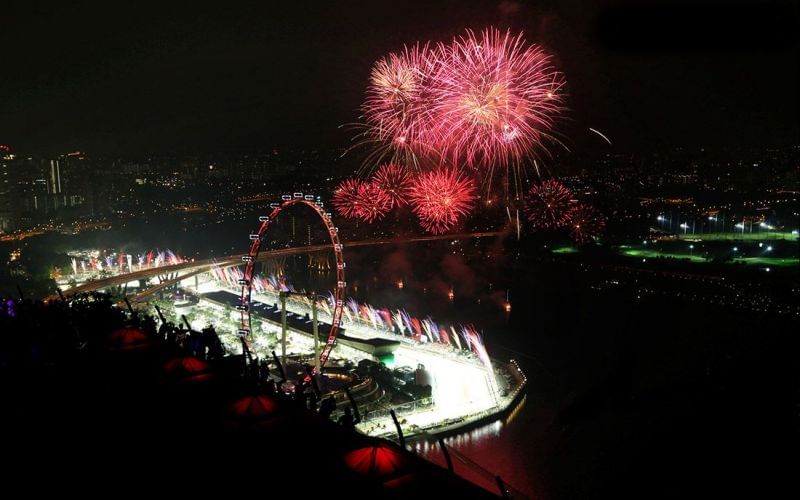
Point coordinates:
pixel 509 447
pixel 486 451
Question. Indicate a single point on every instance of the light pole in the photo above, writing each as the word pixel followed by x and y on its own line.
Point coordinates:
pixel 315 331
pixel 282 297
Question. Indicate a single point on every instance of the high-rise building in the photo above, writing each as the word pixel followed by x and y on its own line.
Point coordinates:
pixel 54 187
pixel 8 210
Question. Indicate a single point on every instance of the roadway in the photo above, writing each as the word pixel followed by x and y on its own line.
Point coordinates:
pixel 201 266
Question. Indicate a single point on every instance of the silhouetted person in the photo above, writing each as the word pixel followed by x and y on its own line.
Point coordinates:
pixel 263 369
pixel 347 420
pixel 327 407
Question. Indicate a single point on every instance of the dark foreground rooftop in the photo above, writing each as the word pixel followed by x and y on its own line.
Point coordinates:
pixel 97 401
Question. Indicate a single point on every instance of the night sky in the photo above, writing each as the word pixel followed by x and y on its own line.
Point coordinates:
pixel 139 77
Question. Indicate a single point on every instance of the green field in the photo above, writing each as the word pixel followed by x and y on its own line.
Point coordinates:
pixel 747 236
pixel 756 261
pixel 643 253
pixel 565 250
pixel 769 261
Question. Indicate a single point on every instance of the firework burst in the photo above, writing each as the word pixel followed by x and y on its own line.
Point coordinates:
pixel 585 223
pixel 495 99
pixel 393 180
pixel 440 198
pixel 345 197
pixel 548 205
pixel 397 105
pixel 371 203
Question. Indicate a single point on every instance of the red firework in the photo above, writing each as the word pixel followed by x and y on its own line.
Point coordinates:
pixel 440 198
pixel 398 101
pixel 585 223
pixel 371 203
pixel 345 197
pixel 394 180
pixel 548 205
pixel 495 99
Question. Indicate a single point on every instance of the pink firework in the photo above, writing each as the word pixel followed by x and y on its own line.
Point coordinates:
pixel 440 198
pixel 548 205
pixel 585 223
pixel 495 99
pixel 395 181
pixel 371 203
pixel 397 107
pixel 345 197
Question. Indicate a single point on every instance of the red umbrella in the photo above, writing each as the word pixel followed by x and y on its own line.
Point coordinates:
pixel 247 412
pixel 253 408
pixel 128 339
pixel 381 459
pixel 186 369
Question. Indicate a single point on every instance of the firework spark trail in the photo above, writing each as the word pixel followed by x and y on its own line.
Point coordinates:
pixel 548 205
pixel 601 135
pixel 455 336
pixel 440 198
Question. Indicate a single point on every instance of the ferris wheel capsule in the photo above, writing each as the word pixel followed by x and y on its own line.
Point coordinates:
pixel 263 218
pixel 309 197
pixel 298 195
pixel 286 197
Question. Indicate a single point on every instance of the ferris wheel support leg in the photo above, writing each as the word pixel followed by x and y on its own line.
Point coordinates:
pixel 283 328
pixel 315 330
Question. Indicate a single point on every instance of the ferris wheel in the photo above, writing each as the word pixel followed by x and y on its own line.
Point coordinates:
pixel 257 240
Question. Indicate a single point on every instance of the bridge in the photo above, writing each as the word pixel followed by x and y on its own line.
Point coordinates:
pixel 184 270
